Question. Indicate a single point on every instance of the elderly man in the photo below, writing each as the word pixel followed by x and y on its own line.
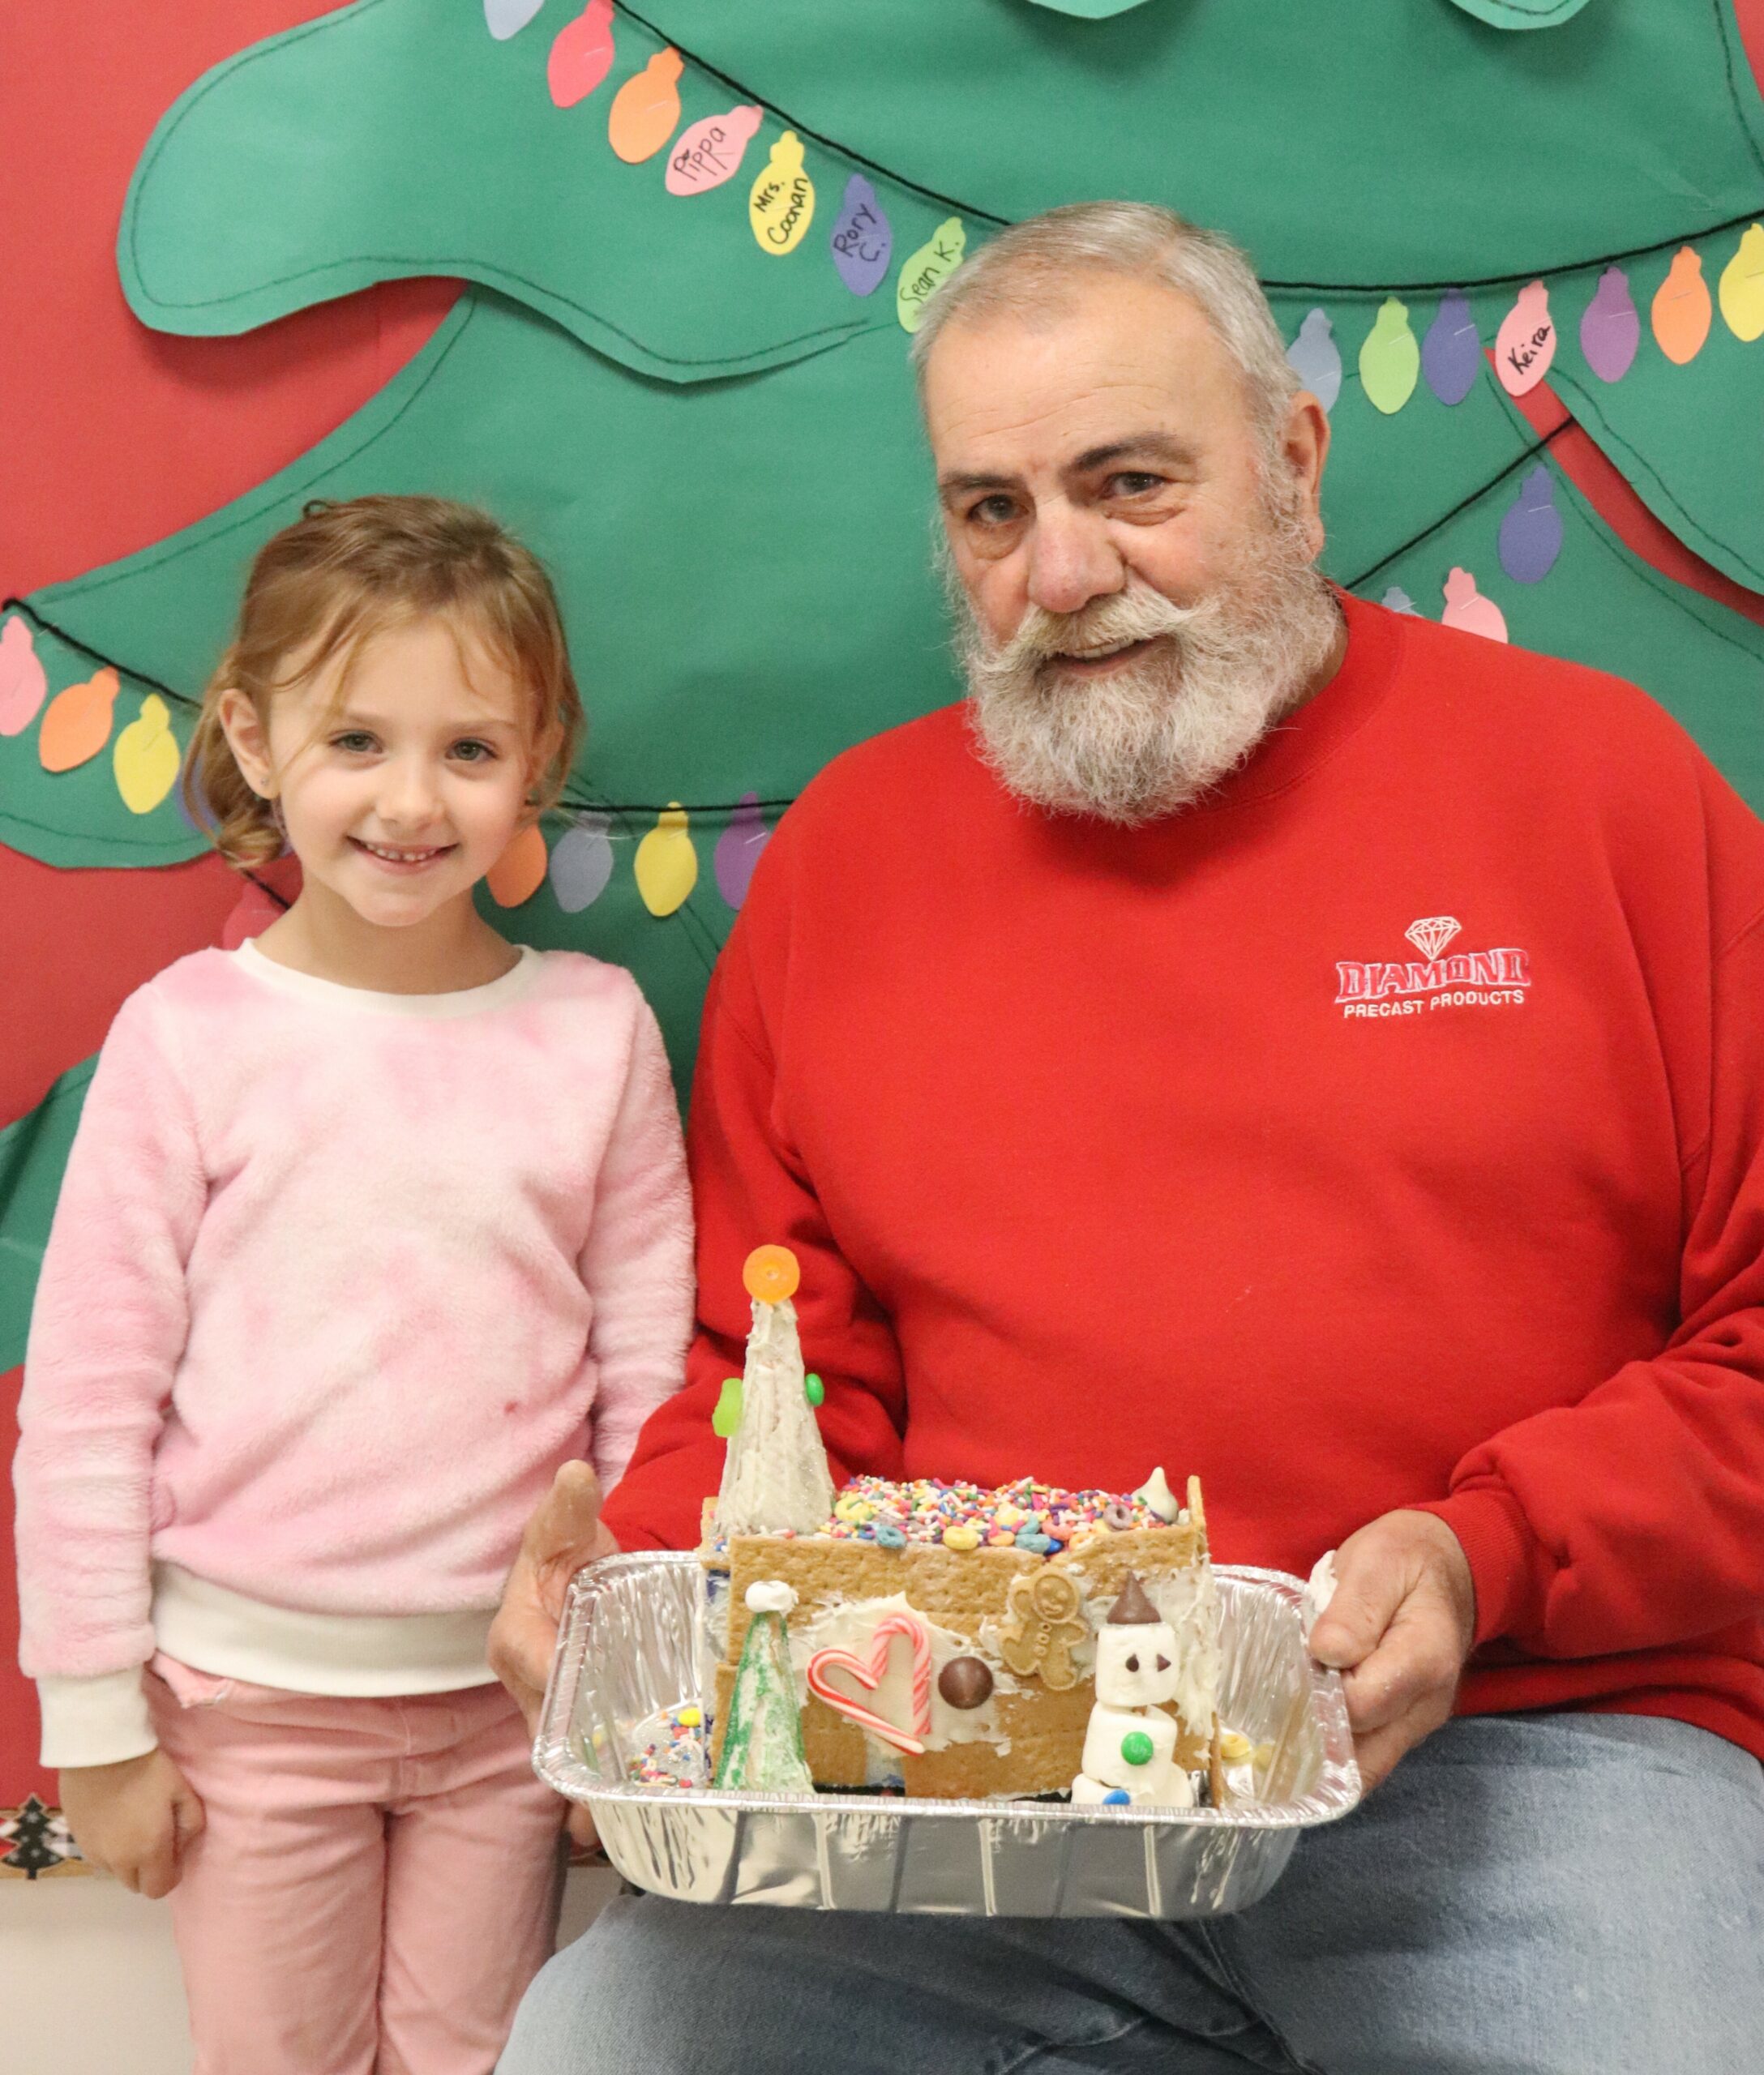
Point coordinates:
pixel 1264 1035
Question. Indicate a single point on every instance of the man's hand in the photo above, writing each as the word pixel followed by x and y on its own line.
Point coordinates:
pixel 563 1536
pixel 135 1819
pixel 1398 1629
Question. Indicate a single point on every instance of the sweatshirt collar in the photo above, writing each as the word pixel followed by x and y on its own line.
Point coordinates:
pixel 364 1001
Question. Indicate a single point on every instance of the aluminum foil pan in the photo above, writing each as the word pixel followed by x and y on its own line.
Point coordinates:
pixel 627 1652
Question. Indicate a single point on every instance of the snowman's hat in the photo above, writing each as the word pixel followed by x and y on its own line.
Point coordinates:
pixel 1133 1607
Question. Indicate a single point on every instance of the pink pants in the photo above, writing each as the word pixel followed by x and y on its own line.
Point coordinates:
pixel 377 1882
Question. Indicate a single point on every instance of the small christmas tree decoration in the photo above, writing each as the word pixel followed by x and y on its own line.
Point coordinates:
pixel 775 1475
pixel 762 1750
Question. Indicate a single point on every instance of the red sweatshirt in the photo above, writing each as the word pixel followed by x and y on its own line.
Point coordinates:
pixel 1387 1132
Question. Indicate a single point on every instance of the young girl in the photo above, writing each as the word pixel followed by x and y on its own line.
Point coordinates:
pixel 369 1225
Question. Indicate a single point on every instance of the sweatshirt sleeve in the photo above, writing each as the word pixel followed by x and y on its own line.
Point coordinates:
pixel 751 1188
pixel 636 1263
pixel 107 1331
pixel 1635 1518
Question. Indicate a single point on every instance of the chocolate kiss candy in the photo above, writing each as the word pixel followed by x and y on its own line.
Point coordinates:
pixel 964 1682
pixel 1132 1606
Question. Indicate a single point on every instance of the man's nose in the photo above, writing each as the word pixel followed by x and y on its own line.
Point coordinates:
pixel 1071 561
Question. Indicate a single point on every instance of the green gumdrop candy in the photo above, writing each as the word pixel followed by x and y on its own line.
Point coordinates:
pixel 813 1389
pixel 727 1417
pixel 1137 1748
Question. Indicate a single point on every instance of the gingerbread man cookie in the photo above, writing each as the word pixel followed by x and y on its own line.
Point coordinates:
pixel 1045 1628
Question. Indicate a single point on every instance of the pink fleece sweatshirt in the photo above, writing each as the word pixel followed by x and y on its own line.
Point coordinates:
pixel 336 1281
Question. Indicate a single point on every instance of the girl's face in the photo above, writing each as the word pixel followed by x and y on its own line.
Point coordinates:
pixel 399 797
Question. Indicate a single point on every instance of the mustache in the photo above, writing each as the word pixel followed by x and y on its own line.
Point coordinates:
pixel 1136 613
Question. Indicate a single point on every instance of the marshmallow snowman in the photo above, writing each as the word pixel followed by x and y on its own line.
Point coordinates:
pixel 1130 1743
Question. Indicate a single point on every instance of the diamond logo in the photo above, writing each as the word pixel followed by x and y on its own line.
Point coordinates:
pixel 1432 933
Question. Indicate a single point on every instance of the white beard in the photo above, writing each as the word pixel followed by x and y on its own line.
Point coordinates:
pixel 1158 732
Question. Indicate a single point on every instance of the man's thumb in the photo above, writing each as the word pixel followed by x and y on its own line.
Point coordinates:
pixel 189 1820
pixel 1367 1595
pixel 570 1513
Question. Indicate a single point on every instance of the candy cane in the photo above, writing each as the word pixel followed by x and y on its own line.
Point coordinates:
pixel 870 1673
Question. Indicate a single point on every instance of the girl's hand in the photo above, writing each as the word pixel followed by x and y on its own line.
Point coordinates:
pixel 135 1820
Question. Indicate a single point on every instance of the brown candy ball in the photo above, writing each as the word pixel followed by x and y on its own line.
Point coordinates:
pixel 964 1682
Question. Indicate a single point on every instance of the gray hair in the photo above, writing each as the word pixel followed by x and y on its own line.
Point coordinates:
pixel 1029 268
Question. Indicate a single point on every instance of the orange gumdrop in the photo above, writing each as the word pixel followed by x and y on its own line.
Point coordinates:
pixel 77 724
pixel 771 1274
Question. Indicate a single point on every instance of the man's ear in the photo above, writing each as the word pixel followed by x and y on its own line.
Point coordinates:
pixel 1305 447
pixel 248 739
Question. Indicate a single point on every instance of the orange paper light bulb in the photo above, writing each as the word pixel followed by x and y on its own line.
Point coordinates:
pixel 77 724
pixel 1682 309
pixel 519 873
pixel 646 109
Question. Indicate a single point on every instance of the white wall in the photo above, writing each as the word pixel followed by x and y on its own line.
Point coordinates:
pixel 88 1975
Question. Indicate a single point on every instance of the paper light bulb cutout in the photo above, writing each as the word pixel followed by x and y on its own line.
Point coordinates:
pixel 1610 326
pixel 645 109
pixel 667 864
pixel 507 18
pixel 1742 287
pixel 1682 312
pixel 709 152
pixel 1468 610
pixel 1526 344
pixel 519 873
pixel 781 203
pixel 1317 359
pixel 581 54
pixel 1389 360
pixel 1397 600
pixel 581 863
pixel 863 238
pixel 146 759
pixel 1451 354
pixel 1531 530
pixel 77 724
pixel 737 850
pixel 23 682
pixel 924 271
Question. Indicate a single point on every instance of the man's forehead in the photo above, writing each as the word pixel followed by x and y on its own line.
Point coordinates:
pixel 1129 361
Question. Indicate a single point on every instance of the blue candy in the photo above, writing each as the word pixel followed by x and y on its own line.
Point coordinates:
pixel 1117 1797
pixel 1039 1544
pixel 890 1537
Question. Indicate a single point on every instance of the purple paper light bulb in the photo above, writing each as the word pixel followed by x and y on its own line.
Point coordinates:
pixel 1610 326
pixel 1451 354
pixel 738 848
pixel 1531 531
pixel 863 238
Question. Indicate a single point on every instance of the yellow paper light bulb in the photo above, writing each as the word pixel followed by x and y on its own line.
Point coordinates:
pixel 1390 360
pixel 145 759
pixel 1742 287
pixel 782 201
pixel 666 863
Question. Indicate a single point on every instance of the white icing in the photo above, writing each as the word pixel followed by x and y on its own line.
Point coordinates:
pixel 770 1596
pixel 775 1474
pixel 1156 1493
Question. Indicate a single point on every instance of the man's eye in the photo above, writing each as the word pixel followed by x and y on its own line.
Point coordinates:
pixel 992 511
pixel 355 742
pixel 473 752
pixel 1133 482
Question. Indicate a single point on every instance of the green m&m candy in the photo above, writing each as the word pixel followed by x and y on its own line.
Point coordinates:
pixel 813 1389
pixel 1137 1747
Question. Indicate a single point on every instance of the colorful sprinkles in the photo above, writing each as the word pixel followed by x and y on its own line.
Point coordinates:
pixel 1042 1519
pixel 675 1752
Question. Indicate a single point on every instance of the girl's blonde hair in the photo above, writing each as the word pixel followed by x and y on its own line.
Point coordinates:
pixel 344 572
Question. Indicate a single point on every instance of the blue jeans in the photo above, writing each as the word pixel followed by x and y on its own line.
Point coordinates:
pixel 1557 1894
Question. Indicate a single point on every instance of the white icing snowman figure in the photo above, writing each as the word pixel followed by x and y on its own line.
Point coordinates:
pixel 1130 1743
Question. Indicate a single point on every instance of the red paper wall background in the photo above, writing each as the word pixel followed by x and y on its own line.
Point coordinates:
pixel 115 436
